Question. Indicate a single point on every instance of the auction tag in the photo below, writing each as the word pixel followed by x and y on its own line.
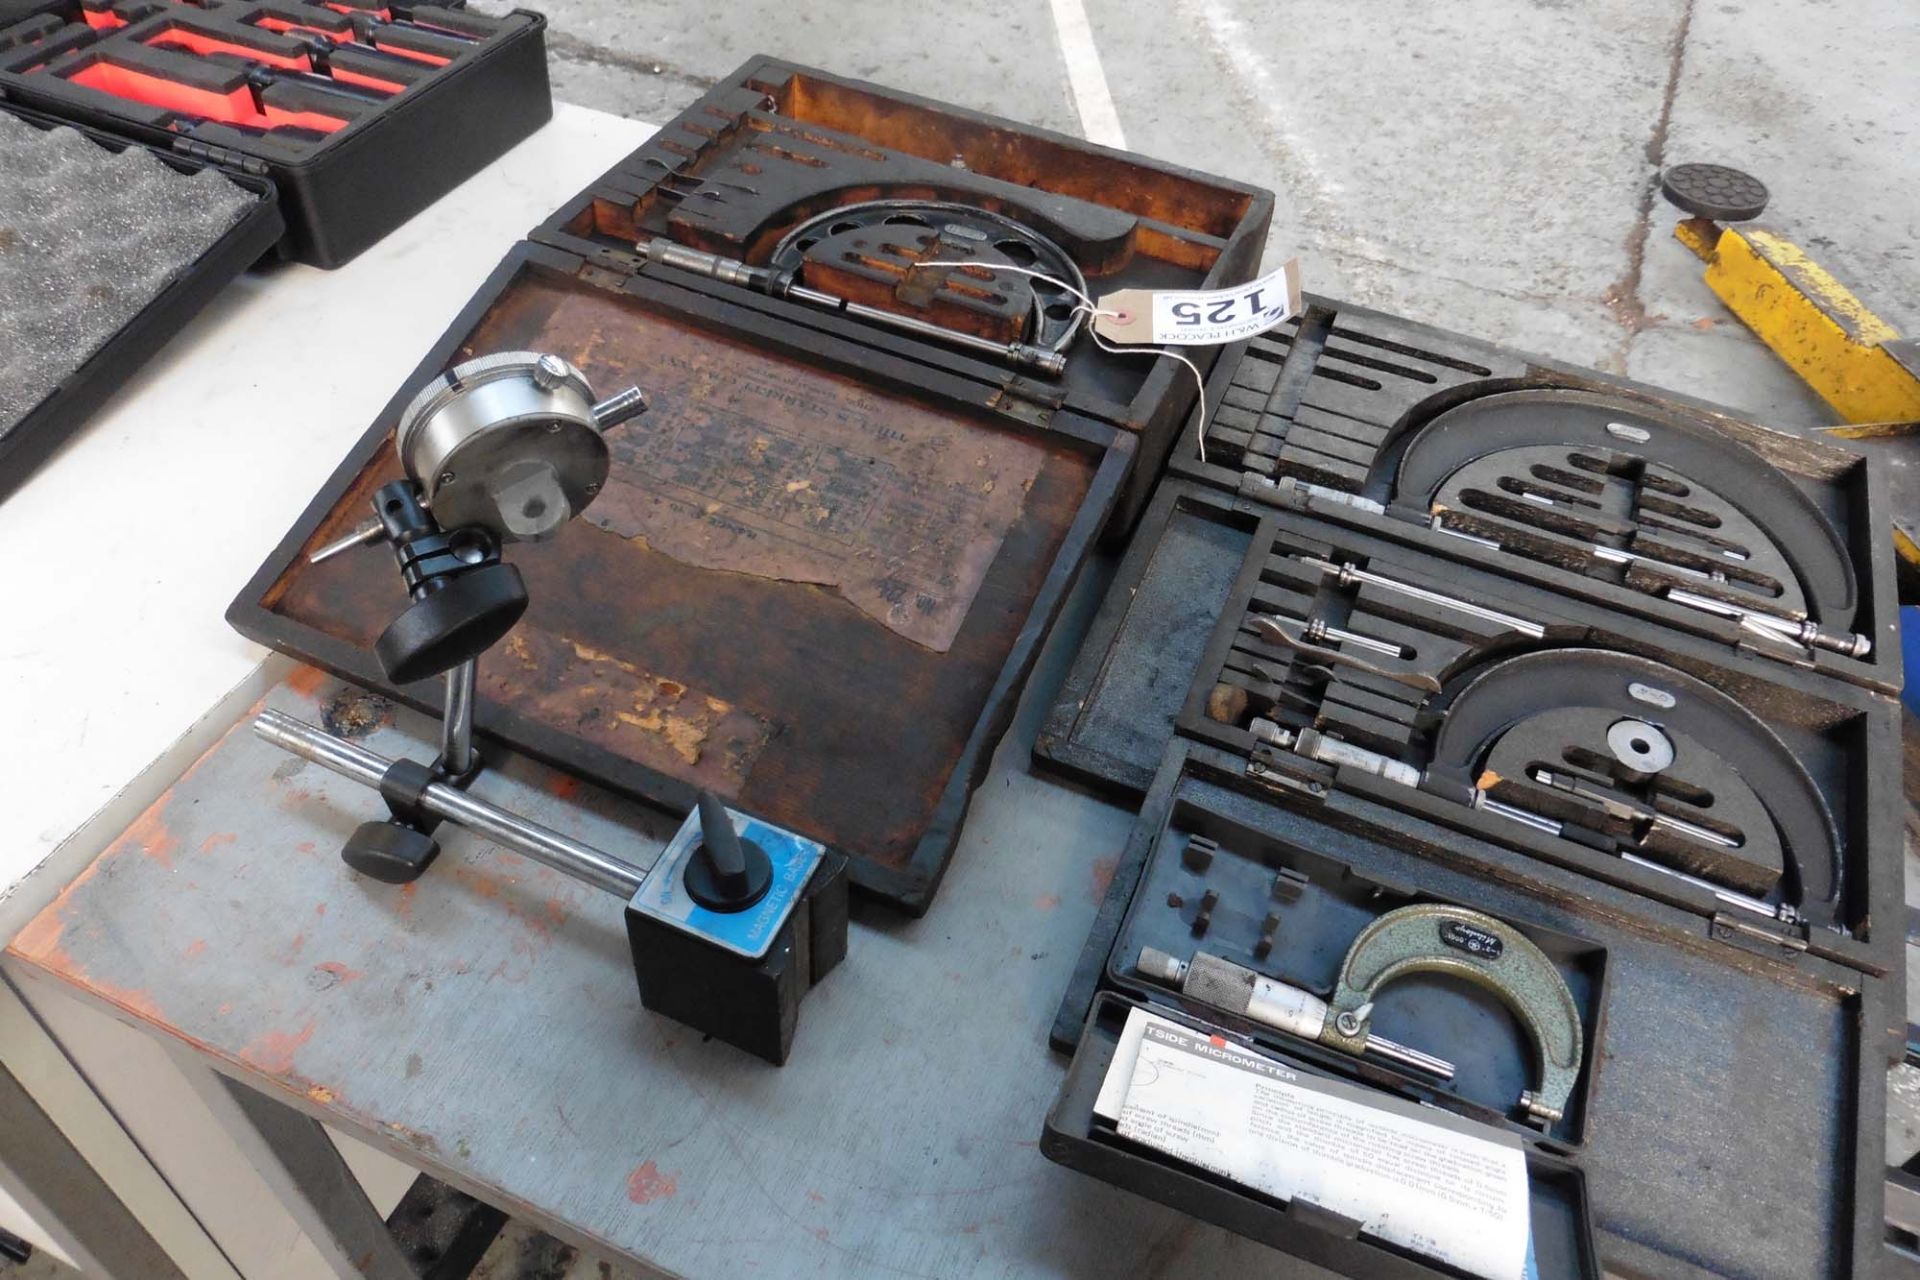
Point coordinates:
pixel 1201 317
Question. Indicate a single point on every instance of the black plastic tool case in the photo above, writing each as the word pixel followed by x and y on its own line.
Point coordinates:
pixel 1732 1113
pixel 34 437
pixel 1729 1118
pixel 463 88
pixel 1074 1136
pixel 1340 397
pixel 784 681
pixel 1174 651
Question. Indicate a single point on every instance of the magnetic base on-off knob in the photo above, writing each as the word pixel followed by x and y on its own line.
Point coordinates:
pixel 706 886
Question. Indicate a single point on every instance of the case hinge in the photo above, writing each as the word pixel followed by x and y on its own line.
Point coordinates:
pixel 1027 401
pixel 601 277
pixel 1284 772
pixel 1780 652
pixel 1750 933
pixel 220 157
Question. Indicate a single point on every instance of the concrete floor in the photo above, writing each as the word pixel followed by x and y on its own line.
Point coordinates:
pixel 1485 165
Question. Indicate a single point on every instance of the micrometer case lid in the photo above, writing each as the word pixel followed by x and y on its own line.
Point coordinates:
pixel 1074 1136
pixel 733 612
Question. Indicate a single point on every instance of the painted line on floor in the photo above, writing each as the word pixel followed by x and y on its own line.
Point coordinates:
pixel 1086 78
pixel 1230 38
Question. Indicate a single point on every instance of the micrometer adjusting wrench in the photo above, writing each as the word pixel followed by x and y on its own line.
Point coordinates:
pixel 1222 984
pixel 1475 947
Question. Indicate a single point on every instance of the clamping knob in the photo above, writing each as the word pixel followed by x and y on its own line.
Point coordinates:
pixel 390 851
pixel 467 615
pixel 464 597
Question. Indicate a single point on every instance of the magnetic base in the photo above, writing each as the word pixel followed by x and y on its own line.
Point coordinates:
pixel 752 1003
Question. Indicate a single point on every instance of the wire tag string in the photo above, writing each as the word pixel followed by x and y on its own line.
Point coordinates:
pixel 1093 311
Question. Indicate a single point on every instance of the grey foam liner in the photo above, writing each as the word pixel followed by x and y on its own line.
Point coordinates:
pixel 88 239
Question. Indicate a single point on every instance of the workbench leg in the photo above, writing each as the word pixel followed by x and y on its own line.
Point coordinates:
pixel 293 1153
pixel 41 1170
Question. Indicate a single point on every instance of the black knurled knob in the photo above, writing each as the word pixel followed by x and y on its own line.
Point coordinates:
pixel 461 620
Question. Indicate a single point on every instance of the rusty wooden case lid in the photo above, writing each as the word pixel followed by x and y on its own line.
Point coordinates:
pixel 813 583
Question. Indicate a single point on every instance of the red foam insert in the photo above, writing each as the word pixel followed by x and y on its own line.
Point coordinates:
pixel 345 76
pixel 102 20
pixel 280 118
pixel 234 107
pixel 418 56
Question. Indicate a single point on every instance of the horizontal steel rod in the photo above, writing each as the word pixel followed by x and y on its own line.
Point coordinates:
pixel 508 830
pixel 1347 574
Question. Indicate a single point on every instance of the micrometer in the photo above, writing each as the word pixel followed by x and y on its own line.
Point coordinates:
pixel 1432 937
pixel 1423 938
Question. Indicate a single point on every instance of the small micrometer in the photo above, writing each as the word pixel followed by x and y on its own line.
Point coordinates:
pixel 1492 954
pixel 1424 938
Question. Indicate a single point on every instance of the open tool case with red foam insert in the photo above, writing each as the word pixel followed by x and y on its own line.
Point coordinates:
pixel 361 112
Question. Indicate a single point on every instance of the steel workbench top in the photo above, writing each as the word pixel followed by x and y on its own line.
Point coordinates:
pixel 482 1024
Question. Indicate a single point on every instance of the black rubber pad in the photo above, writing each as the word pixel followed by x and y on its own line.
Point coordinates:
pixel 1714 191
pixel 88 239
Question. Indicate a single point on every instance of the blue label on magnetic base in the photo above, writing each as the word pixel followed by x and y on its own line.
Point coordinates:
pixel 663 894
